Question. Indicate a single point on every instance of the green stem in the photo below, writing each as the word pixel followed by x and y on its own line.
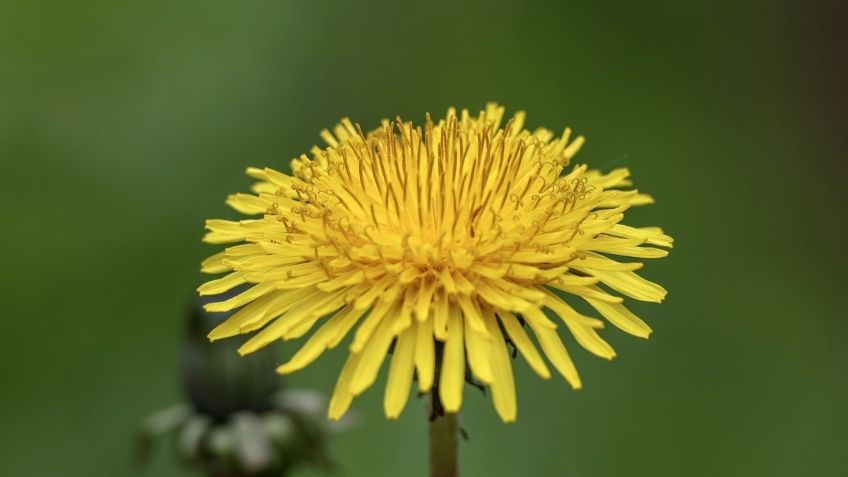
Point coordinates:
pixel 444 431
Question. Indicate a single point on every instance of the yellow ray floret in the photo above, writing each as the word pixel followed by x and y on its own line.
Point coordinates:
pixel 446 244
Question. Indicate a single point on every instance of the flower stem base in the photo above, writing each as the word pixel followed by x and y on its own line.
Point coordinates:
pixel 444 432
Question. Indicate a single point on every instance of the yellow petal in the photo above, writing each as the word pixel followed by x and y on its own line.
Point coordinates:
pixel 651 235
pixel 342 397
pixel 503 384
pixel 305 309
pixel 254 311
pixel 284 301
pixel 631 285
pixel 425 295
pixel 373 354
pixel 499 298
pixel 620 316
pixel 345 279
pixel 580 326
pixel 367 328
pixel 441 315
pixel 615 178
pixel 220 285
pixel 247 204
pixel 587 292
pixel 366 299
pixel 630 251
pixel 522 342
pixel 348 317
pixel 214 264
pixel 534 316
pixel 554 349
pixel 247 296
pixel 425 355
pixel 453 366
pixel 478 351
pixel 575 146
pixel 404 318
pixel 471 313
pixel 400 373
pixel 314 346
pixel 600 262
pixel 302 281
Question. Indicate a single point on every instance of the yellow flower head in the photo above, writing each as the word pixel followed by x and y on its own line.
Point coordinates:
pixel 448 241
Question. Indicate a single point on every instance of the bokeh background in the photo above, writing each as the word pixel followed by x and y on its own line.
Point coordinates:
pixel 123 125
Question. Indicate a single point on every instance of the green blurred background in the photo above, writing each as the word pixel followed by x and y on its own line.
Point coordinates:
pixel 123 125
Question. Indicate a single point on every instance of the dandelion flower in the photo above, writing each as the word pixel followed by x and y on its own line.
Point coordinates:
pixel 444 244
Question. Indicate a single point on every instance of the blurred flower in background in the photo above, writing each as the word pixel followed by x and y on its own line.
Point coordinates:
pixel 238 419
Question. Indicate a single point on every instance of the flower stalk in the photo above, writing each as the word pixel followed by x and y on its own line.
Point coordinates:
pixel 444 431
